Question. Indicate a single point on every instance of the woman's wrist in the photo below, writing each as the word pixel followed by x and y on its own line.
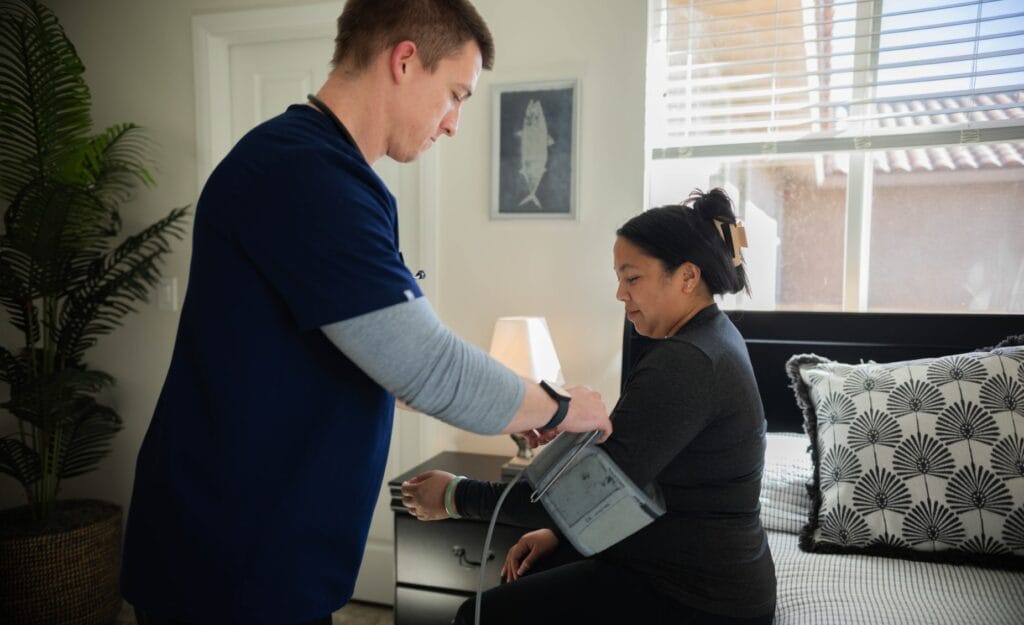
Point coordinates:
pixel 449 497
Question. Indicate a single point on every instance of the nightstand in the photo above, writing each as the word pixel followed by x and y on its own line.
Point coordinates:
pixel 437 563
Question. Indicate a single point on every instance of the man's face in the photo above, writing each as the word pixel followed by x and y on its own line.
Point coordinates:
pixel 431 102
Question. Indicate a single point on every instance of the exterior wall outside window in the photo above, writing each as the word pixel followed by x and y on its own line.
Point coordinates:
pixel 939 241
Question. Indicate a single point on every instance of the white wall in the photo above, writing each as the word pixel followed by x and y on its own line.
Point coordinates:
pixel 559 269
pixel 138 55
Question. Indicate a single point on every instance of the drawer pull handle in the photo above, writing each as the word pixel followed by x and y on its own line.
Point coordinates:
pixel 460 553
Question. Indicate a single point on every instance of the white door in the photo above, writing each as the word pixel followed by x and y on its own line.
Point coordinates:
pixel 250 66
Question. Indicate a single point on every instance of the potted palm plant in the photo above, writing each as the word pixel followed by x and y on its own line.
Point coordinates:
pixel 67 276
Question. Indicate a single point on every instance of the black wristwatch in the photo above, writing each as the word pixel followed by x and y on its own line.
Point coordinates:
pixel 561 396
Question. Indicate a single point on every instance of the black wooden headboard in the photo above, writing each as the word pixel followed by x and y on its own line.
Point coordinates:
pixel 772 337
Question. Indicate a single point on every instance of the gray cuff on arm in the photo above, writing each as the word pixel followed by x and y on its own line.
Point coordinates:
pixel 406 349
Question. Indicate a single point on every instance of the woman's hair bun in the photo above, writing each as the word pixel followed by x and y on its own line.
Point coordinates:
pixel 715 204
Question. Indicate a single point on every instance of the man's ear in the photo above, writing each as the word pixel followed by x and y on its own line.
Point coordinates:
pixel 402 56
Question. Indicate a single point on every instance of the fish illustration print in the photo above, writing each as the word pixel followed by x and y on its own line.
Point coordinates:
pixel 533 149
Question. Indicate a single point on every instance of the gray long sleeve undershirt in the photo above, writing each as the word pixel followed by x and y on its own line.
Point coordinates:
pixel 407 350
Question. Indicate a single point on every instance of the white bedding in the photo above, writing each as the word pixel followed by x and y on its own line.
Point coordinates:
pixel 826 589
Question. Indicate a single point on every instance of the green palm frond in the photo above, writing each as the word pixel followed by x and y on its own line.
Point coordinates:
pixel 59 215
pixel 14 369
pixel 53 401
pixel 44 101
pixel 88 440
pixel 115 160
pixel 124 277
pixel 16 294
pixel 48 224
pixel 19 461
pixel 8 365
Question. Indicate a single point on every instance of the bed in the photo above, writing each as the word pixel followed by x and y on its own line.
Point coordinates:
pixel 853 588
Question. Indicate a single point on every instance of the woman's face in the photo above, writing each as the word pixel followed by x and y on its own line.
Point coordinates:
pixel 656 303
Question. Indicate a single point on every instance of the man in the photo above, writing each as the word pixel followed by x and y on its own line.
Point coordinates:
pixel 258 476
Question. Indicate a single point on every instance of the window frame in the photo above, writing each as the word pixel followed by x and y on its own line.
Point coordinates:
pixel 858 145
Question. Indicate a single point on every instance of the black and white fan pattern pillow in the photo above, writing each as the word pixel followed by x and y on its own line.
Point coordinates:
pixel 921 459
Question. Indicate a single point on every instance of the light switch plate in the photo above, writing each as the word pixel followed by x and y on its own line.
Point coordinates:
pixel 167 294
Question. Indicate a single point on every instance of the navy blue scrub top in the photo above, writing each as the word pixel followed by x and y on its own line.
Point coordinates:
pixel 258 475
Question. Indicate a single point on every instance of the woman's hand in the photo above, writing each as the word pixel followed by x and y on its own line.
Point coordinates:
pixel 423 495
pixel 536 438
pixel 531 547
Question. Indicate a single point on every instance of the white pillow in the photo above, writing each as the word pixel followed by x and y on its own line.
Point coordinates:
pixel 785 502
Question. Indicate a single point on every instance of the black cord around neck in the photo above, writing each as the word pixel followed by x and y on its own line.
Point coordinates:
pixel 323 108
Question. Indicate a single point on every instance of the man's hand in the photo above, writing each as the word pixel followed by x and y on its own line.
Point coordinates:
pixel 586 413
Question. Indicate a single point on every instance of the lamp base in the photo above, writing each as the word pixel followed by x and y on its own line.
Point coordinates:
pixel 514 467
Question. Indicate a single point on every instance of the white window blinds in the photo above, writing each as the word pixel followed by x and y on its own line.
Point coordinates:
pixel 735 77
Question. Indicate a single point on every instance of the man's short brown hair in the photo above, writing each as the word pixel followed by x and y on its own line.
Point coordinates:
pixel 438 27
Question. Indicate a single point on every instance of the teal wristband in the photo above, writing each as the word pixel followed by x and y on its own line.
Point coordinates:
pixel 449 497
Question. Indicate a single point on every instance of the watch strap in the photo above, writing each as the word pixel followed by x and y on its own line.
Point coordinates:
pixel 563 406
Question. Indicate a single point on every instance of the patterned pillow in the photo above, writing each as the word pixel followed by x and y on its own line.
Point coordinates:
pixel 921 459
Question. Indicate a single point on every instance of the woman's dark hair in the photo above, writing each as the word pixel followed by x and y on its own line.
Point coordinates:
pixel 687 232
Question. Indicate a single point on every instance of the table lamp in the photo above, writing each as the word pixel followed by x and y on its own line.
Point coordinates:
pixel 524 345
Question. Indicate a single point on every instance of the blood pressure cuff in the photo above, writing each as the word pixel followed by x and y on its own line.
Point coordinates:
pixel 593 502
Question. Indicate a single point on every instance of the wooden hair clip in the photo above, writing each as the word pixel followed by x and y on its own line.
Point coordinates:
pixel 734 235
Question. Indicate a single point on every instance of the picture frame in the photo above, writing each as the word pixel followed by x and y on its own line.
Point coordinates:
pixel 535 142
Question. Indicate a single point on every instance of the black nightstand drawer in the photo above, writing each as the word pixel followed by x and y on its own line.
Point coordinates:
pixel 446 554
pixel 437 562
pixel 415 606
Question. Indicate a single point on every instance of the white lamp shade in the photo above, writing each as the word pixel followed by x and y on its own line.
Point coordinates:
pixel 524 345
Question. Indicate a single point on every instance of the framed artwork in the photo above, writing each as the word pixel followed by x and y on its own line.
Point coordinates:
pixel 534 150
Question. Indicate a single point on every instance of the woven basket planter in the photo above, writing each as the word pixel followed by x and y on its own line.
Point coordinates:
pixel 66 572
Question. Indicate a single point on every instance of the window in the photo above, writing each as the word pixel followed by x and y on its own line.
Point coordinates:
pixel 874 148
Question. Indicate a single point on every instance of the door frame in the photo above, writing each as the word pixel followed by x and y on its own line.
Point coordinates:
pixel 415 436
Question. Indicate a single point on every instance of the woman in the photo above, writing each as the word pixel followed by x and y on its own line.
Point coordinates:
pixel 689 419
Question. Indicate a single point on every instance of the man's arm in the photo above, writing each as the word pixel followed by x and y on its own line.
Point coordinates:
pixel 406 349
pixel 587 412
